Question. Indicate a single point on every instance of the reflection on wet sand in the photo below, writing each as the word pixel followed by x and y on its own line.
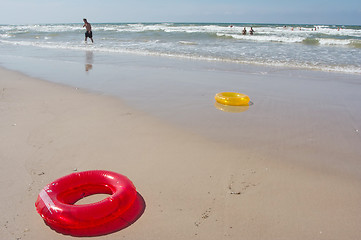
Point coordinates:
pixel 89 56
pixel 232 109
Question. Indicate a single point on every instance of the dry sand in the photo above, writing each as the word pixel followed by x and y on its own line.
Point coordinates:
pixel 194 187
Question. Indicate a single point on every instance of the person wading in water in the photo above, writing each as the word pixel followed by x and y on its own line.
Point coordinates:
pixel 88 33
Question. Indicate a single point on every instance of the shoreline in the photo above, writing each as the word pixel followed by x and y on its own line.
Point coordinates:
pixel 302 48
pixel 196 186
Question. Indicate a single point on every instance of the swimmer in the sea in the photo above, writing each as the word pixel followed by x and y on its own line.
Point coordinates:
pixel 251 31
pixel 244 32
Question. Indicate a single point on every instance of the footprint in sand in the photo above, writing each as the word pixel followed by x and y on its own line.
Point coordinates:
pixel 205 215
pixel 240 183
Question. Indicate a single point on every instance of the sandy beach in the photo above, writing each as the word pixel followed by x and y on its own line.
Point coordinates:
pixel 287 168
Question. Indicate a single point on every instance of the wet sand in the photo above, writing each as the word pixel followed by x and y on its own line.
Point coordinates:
pixel 287 168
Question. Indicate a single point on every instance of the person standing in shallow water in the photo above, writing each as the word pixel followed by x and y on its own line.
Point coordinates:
pixel 244 32
pixel 88 33
pixel 251 31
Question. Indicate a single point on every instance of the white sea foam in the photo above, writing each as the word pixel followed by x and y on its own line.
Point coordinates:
pixel 40 28
pixel 263 38
pixel 187 43
pixel 334 42
pixel 5 35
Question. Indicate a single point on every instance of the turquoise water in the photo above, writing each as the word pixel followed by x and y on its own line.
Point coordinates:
pixel 314 47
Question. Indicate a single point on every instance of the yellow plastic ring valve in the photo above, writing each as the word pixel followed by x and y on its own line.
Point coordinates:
pixel 232 99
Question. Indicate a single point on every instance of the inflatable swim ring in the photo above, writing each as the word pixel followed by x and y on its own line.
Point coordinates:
pixel 55 202
pixel 232 99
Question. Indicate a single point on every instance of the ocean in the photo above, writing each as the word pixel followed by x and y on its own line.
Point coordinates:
pixel 327 48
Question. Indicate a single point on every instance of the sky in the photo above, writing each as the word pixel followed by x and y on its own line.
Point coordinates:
pixel 346 12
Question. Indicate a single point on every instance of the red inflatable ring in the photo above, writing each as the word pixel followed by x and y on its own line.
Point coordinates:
pixel 55 202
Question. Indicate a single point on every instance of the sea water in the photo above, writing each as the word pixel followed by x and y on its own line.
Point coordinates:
pixel 314 47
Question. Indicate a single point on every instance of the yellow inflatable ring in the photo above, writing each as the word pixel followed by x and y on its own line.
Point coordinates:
pixel 232 99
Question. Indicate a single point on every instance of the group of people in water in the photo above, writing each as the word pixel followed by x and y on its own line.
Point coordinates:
pixel 244 31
